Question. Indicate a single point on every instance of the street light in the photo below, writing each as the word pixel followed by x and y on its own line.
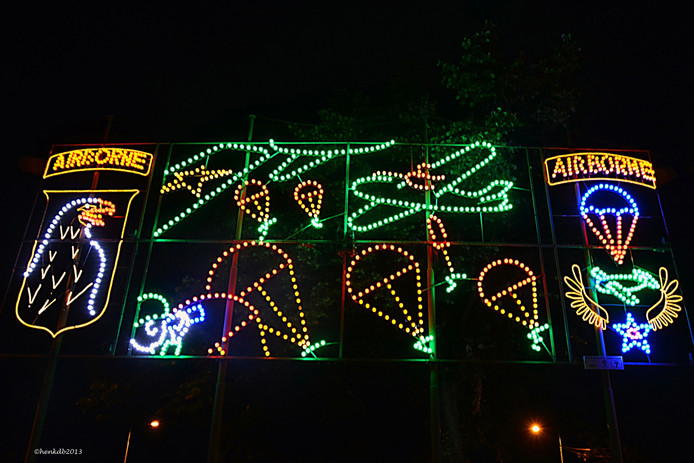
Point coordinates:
pixel 536 429
pixel 581 452
pixel 153 424
pixel 584 453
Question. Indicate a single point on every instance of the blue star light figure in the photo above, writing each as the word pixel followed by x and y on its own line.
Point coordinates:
pixel 633 334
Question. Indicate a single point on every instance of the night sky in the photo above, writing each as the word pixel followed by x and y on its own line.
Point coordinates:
pixel 176 73
pixel 172 73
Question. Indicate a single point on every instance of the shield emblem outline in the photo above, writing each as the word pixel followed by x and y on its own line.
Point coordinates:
pixel 92 193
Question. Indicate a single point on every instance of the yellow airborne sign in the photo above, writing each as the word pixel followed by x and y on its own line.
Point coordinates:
pixel 119 159
pixel 579 167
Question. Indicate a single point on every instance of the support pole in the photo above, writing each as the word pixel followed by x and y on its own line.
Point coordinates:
pixel 610 410
pixel 49 377
pixel 127 446
pixel 213 449
pixel 434 401
pixel 42 405
pixel 345 253
pixel 607 395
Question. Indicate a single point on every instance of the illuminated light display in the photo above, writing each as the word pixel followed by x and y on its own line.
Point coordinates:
pixel 441 244
pixel 311 200
pixel 57 275
pixel 318 157
pixel 92 215
pixel 582 302
pixel 156 297
pixel 667 306
pixel 535 337
pixel 211 151
pixel 423 344
pixel 291 335
pixel 414 322
pixel 616 242
pixel 200 174
pixel 527 317
pixel 181 216
pixel 491 198
pixel 520 313
pixel 633 334
pixel 261 213
pixel 580 167
pixel 410 323
pixel 77 204
pixel 312 348
pixel 610 284
pixel 295 333
pixel 421 173
pixel 118 159
pixel 96 284
pixel 452 280
pixel 171 329
pixel 482 195
pixel 68 256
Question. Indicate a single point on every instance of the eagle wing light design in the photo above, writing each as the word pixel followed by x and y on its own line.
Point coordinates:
pixel 582 302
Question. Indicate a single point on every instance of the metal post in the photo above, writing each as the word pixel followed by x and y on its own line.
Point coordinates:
pixel 612 427
pixel 47 386
pixel 107 131
pixel 127 446
pixel 541 253
pixel 558 267
pixel 49 377
pixel 344 253
pixel 42 405
pixel 213 453
pixel 607 395
pixel 434 404
pixel 138 234
pixel 150 246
